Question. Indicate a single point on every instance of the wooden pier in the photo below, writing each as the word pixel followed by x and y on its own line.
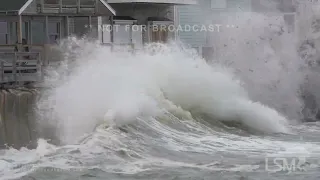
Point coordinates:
pixel 20 67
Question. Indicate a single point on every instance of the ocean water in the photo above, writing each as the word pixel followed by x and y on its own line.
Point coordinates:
pixel 163 112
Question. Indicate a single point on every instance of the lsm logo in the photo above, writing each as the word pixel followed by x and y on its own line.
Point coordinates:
pixel 285 164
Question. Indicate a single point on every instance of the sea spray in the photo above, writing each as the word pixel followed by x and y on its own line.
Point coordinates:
pixel 308 23
pixel 276 55
pixel 129 85
pixel 262 51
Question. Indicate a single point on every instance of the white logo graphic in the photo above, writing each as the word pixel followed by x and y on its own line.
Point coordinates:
pixel 287 164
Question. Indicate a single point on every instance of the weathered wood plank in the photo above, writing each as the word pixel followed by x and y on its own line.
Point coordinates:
pixel 3 122
pixel 14 69
pixel 18 116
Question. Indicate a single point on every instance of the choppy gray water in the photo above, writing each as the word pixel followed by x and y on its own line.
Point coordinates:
pixel 169 150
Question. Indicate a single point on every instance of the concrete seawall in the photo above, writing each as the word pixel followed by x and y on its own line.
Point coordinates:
pixel 18 120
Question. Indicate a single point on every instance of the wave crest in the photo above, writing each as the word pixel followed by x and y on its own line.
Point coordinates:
pixel 148 83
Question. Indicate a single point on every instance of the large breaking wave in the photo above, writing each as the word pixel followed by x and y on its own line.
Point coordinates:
pixel 117 87
pixel 260 77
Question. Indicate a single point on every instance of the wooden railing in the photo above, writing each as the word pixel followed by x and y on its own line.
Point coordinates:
pixel 65 6
pixel 115 46
pixel 22 67
pixel 11 47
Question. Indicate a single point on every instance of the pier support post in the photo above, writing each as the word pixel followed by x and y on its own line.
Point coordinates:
pixel 19 33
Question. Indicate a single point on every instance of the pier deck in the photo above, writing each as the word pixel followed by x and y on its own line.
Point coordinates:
pixel 19 68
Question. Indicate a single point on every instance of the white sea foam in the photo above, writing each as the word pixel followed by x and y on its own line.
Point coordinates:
pixel 120 86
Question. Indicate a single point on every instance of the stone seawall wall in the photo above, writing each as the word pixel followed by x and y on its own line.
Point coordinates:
pixel 18 119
